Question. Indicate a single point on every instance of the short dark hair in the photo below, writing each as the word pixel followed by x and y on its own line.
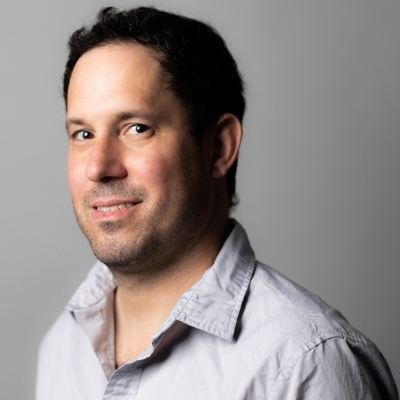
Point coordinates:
pixel 201 71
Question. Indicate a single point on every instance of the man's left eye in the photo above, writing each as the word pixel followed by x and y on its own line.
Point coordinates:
pixel 139 128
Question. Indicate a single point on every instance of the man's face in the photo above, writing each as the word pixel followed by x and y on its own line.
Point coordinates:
pixel 140 183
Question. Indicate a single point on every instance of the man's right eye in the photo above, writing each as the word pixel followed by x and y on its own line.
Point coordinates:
pixel 83 135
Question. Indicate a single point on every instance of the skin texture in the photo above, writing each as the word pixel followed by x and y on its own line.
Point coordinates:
pixel 129 143
pixel 160 169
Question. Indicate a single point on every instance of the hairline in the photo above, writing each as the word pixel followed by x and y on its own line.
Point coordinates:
pixel 158 56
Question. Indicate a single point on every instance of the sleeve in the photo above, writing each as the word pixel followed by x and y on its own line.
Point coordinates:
pixel 338 369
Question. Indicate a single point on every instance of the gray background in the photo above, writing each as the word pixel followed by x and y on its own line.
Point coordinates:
pixel 318 173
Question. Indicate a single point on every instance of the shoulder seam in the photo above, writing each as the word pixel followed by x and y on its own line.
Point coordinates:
pixel 305 348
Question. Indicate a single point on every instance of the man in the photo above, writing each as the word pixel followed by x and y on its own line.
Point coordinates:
pixel 177 306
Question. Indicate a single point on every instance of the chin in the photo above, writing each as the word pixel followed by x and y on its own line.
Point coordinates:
pixel 128 256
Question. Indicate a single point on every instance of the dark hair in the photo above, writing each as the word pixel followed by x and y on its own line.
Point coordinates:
pixel 201 71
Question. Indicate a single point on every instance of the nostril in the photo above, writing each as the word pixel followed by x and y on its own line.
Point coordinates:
pixel 106 179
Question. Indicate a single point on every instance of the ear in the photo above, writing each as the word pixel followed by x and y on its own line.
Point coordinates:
pixel 226 142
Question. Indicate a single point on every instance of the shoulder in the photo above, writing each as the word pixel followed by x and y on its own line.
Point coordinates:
pixel 280 296
pixel 59 344
pixel 63 330
pixel 336 368
pixel 53 360
pixel 67 363
pixel 314 347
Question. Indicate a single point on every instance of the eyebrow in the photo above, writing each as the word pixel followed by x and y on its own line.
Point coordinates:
pixel 153 119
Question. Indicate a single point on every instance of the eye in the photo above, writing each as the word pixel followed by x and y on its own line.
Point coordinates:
pixel 137 129
pixel 83 135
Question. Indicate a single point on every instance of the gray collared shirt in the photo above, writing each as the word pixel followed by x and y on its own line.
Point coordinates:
pixel 244 331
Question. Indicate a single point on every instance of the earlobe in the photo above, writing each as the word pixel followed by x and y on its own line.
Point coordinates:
pixel 226 142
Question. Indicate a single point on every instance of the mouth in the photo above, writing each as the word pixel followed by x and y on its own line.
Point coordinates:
pixel 115 207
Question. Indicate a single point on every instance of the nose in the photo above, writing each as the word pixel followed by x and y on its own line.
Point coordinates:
pixel 105 161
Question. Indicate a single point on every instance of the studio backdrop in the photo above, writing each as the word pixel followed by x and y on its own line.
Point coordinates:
pixel 319 169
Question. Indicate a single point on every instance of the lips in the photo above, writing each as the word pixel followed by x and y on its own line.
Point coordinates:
pixel 114 207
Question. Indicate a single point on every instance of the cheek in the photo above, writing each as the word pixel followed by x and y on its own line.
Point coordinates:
pixel 161 173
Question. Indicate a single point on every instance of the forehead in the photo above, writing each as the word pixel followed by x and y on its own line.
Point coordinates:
pixel 116 72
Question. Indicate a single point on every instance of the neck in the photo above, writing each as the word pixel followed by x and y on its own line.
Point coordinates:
pixel 141 305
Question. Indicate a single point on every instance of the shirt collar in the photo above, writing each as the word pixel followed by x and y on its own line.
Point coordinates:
pixel 98 284
pixel 211 305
